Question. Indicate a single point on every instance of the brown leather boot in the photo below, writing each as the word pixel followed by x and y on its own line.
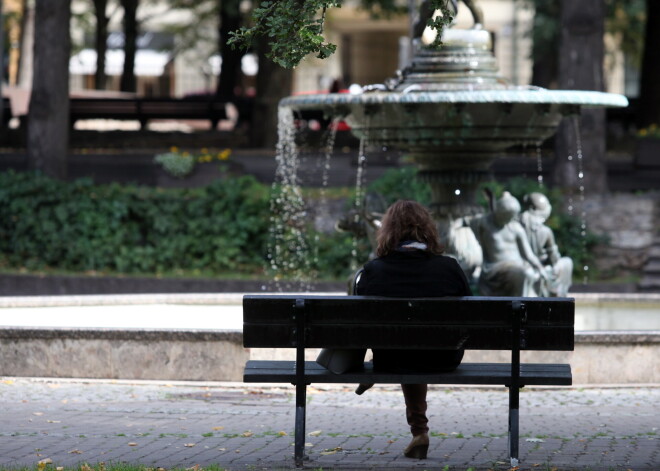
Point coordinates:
pixel 418 447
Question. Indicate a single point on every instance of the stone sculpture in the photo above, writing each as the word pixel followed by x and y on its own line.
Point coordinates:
pixel 510 267
pixel 558 269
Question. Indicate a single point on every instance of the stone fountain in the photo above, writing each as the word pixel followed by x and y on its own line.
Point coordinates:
pixel 452 114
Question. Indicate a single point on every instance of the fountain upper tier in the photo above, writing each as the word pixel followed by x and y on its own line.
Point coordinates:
pixel 453 98
pixel 481 119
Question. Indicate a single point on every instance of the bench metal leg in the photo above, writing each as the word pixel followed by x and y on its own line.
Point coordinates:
pixel 301 399
pixel 517 318
pixel 301 385
pixel 514 430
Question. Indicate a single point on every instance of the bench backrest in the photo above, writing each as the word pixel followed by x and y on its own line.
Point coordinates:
pixel 481 323
pixel 81 108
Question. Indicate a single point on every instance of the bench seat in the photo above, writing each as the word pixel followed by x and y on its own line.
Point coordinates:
pixel 531 374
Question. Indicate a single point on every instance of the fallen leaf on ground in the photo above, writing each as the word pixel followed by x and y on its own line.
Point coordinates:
pixel 189 445
pixel 8 381
pixel 315 433
pixel 282 433
pixel 535 440
pixel 308 445
pixel 217 428
pixel 37 413
pixel 132 444
pixel 331 451
pixel 247 434
pixel 41 465
pixel 53 421
pixel 76 452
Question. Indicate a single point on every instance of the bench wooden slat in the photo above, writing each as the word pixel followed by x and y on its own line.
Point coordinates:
pixel 531 374
pixel 259 309
pixel 393 337
pixel 144 109
pixel 478 323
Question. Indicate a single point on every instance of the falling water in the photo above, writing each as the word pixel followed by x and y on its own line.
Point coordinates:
pixel 539 165
pixel 359 191
pixel 324 163
pixel 288 245
pixel 581 175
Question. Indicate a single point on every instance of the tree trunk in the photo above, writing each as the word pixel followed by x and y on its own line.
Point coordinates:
pixel 649 95
pixel 101 42
pixel 544 71
pixel 230 72
pixel 2 67
pixel 273 84
pixel 128 82
pixel 48 120
pixel 545 49
pixel 581 53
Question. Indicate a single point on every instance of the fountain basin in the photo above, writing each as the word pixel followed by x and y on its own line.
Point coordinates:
pixel 198 337
pixel 478 120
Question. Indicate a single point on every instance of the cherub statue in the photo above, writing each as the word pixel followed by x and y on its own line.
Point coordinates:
pixel 558 269
pixel 510 267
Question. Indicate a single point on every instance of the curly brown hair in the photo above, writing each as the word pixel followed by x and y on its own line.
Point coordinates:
pixel 407 220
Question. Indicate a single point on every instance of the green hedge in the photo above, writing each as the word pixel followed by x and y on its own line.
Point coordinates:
pixel 220 228
pixel 80 226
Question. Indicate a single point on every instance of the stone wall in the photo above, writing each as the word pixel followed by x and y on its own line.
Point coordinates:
pixel 122 354
pixel 599 357
pixel 630 222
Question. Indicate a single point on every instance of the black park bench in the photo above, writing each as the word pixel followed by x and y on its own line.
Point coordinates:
pixel 477 323
pixel 146 109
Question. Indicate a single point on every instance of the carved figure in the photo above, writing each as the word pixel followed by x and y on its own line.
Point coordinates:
pixel 366 221
pixel 510 267
pixel 558 269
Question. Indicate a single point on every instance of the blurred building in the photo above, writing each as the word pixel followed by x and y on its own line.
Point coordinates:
pixel 170 63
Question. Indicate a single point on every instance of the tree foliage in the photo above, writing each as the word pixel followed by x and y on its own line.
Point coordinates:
pixel 295 28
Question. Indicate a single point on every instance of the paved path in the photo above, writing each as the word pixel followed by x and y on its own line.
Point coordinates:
pixel 251 428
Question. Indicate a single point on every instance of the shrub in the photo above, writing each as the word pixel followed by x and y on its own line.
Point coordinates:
pixel 402 183
pixel 80 226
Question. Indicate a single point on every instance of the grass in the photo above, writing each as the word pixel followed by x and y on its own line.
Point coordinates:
pixel 109 467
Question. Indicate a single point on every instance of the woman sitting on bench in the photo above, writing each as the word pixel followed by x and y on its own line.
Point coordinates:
pixel 410 264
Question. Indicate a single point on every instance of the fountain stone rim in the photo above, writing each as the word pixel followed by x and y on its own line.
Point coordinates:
pixel 583 98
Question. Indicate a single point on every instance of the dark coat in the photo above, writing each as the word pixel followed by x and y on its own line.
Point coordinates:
pixel 414 274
